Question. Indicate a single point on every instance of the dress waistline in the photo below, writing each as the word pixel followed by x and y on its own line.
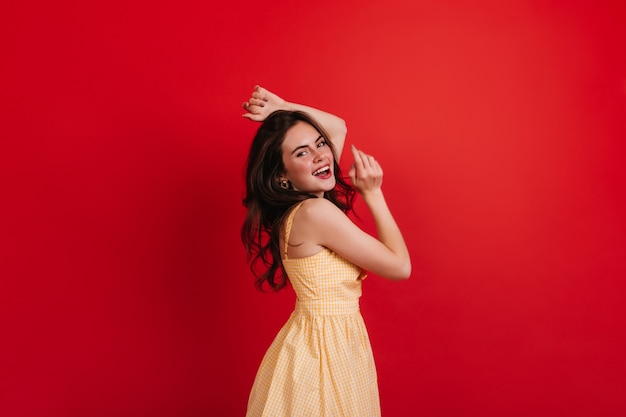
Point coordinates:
pixel 326 307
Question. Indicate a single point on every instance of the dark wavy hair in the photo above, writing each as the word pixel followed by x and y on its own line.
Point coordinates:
pixel 267 203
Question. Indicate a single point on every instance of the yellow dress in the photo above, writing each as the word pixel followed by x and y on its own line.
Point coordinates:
pixel 321 362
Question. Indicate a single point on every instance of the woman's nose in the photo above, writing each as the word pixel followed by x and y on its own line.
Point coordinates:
pixel 317 154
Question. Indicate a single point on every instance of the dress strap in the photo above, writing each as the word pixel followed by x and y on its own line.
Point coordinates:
pixel 288 226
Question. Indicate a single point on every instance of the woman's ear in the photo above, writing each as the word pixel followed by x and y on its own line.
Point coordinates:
pixel 283 183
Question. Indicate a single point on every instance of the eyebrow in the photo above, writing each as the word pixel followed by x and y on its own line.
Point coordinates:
pixel 306 146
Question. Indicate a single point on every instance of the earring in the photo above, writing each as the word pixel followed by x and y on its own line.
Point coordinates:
pixel 284 184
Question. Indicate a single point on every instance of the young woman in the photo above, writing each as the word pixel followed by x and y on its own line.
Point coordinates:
pixel 296 229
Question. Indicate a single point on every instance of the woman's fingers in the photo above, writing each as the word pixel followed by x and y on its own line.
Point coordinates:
pixel 365 173
pixel 254 107
pixel 368 161
pixel 252 112
pixel 258 96
pixel 356 154
pixel 361 159
pixel 259 105
pixel 261 93
pixel 256 102
pixel 352 173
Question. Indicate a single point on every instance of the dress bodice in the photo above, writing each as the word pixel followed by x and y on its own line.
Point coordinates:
pixel 325 283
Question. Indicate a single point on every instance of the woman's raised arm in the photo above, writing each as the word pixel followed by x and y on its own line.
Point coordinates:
pixel 263 102
pixel 322 224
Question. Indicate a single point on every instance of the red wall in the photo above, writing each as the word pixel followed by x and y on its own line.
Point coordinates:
pixel 500 126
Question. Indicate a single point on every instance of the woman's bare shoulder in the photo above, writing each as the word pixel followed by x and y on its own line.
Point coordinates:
pixel 316 209
pixel 312 223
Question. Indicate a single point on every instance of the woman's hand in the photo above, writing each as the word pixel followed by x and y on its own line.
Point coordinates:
pixel 366 174
pixel 262 103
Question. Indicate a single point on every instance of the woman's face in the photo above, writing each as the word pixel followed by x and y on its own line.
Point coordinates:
pixel 308 160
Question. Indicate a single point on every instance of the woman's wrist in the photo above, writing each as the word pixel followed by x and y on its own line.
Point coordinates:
pixel 373 196
pixel 289 106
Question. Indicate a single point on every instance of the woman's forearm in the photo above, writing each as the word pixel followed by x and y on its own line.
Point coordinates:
pixel 388 231
pixel 263 103
pixel 335 126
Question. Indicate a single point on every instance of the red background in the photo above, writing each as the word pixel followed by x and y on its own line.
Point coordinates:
pixel 500 126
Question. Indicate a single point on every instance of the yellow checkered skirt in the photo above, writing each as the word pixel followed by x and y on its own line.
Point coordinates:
pixel 321 362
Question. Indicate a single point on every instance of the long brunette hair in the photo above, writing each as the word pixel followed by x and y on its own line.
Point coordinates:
pixel 268 203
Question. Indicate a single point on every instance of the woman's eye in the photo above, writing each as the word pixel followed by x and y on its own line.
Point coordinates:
pixel 322 143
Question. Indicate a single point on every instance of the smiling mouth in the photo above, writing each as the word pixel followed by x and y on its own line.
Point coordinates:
pixel 322 171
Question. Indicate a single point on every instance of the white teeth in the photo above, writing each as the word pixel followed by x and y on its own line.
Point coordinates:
pixel 319 171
